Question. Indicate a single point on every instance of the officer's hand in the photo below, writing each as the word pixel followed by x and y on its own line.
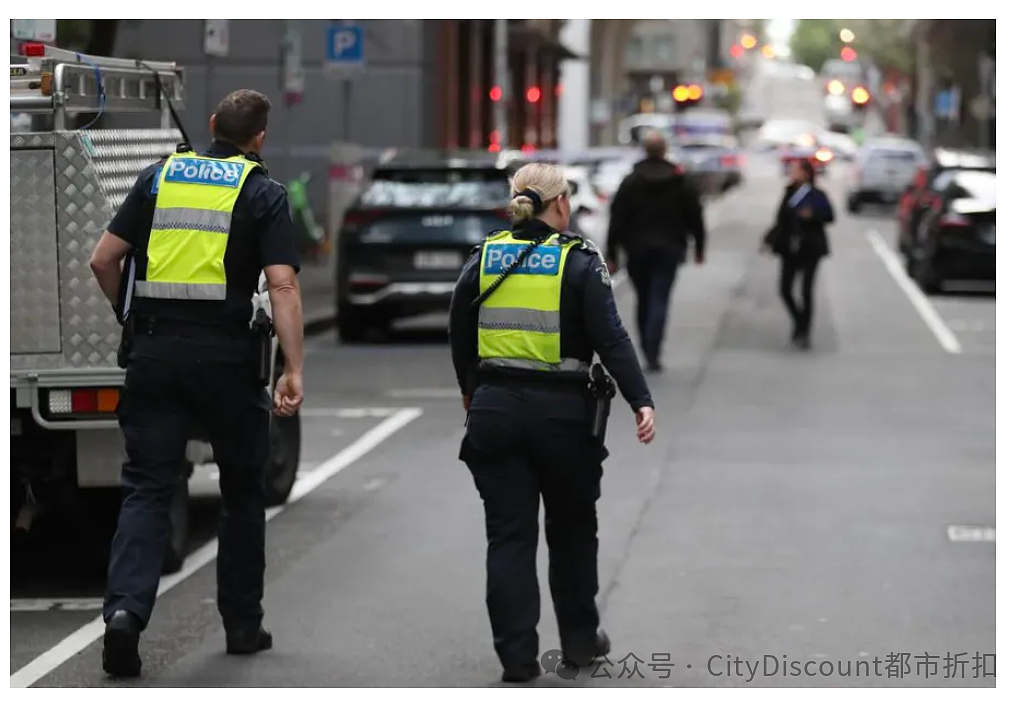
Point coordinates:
pixel 465 402
pixel 699 259
pixel 289 394
pixel 645 425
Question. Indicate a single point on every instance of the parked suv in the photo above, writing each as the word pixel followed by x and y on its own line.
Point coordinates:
pixel 403 244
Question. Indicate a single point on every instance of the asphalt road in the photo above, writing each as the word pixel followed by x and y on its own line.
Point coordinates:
pixel 831 505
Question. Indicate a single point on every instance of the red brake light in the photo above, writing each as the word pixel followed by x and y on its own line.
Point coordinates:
pixel 953 220
pixel 84 401
pixel 33 49
pixel 728 161
pixel 360 217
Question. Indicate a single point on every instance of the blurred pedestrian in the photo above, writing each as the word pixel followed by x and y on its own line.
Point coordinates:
pixel 798 236
pixel 198 230
pixel 530 309
pixel 655 211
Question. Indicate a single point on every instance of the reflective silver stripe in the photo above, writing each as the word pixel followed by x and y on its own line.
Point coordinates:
pixel 519 319
pixel 571 365
pixel 186 219
pixel 179 290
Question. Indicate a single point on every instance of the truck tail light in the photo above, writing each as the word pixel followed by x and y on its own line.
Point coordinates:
pixel 82 401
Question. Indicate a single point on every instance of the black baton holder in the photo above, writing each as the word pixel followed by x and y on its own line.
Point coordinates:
pixel 602 390
pixel 261 341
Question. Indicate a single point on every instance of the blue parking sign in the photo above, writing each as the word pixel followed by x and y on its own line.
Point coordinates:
pixel 345 49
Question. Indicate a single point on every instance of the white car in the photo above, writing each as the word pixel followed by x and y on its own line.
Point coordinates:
pixel 884 168
pixel 610 175
pixel 786 133
pixel 583 198
pixel 843 147
pixel 588 209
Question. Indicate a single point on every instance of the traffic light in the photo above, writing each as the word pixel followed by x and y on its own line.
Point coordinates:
pixel 495 93
pixel 533 94
pixel 848 54
pixel 687 94
pixel 737 51
pixel 749 41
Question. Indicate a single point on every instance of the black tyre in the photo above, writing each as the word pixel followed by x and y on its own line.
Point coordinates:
pixel 854 205
pixel 926 274
pixel 352 325
pixel 284 455
pixel 179 535
pixel 910 263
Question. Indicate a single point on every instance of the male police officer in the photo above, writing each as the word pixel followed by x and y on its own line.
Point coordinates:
pixel 198 229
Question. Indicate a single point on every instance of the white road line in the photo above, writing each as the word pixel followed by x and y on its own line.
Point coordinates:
pixel 57 604
pixel 918 299
pixel 424 393
pixel 971 533
pixel 348 413
pixel 82 638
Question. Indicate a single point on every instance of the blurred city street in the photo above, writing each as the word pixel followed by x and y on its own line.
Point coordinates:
pixel 836 504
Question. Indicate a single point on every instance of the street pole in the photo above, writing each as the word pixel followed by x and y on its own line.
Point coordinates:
pixel 501 80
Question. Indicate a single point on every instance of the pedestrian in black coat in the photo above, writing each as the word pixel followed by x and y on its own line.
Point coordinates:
pixel 656 210
pixel 799 238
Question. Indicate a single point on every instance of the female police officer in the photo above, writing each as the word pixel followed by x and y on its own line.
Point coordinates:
pixel 531 307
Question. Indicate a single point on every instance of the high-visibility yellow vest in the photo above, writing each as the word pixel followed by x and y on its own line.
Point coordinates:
pixel 190 231
pixel 518 324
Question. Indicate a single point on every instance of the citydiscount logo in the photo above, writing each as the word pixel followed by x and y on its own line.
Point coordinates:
pixel 215 173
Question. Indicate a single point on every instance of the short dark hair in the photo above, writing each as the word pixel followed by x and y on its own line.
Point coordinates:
pixel 241 116
pixel 655 145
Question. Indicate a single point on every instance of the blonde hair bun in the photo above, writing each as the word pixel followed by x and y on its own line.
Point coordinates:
pixel 545 180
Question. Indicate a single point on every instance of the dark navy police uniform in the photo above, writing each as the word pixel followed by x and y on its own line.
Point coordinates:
pixel 528 435
pixel 191 362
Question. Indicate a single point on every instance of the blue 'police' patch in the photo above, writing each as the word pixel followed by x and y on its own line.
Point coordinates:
pixel 215 173
pixel 544 260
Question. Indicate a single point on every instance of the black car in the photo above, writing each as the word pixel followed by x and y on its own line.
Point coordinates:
pixel 956 235
pixel 403 244
pixel 918 196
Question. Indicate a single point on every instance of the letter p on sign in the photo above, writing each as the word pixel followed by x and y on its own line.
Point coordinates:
pixel 343 41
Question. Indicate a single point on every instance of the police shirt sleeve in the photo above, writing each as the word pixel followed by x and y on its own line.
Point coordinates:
pixel 462 323
pixel 132 220
pixel 275 227
pixel 609 338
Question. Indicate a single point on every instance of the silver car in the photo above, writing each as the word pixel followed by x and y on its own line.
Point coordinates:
pixel 884 168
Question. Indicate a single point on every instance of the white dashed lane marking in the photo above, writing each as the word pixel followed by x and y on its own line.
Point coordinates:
pixel 971 533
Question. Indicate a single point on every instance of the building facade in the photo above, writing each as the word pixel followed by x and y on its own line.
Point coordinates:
pixel 952 99
pixel 425 84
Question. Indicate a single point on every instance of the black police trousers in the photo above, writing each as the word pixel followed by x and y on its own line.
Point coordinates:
pixel 522 444
pixel 172 384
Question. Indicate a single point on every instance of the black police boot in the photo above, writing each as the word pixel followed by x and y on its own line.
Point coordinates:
pixel 521 673
pixel 586 655
pixel 121 655
pixel 245 641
